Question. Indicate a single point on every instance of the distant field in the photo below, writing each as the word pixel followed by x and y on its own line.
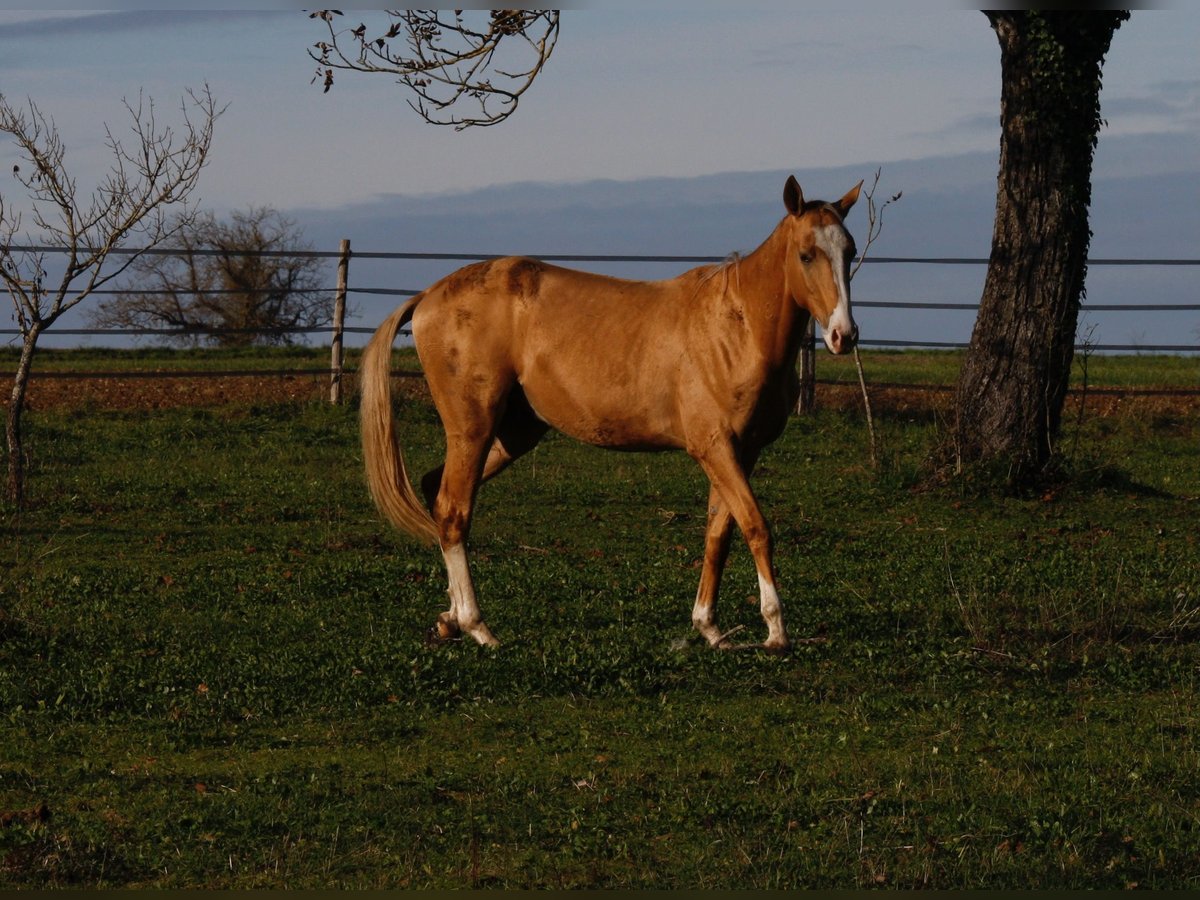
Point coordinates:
pixel 916 366
pixel 214 671
pixel 157 377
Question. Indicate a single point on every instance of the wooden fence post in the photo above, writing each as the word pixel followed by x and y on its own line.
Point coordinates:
pixel 806 402
pixel 339 323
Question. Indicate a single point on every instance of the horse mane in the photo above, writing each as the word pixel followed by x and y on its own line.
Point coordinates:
pixel 731 263
pixel 813 205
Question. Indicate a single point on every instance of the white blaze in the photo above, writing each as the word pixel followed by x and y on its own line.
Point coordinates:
pixel 831 239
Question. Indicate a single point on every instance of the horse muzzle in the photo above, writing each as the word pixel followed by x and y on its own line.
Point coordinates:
pixel 841 339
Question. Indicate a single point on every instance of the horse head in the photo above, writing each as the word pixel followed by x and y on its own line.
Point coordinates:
pixel 819 253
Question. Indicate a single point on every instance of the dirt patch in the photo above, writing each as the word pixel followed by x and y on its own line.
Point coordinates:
pixel 161 393
pixel 146 393
pixel 907 401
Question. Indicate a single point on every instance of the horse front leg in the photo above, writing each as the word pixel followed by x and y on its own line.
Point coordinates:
pixel 716 551
pixel 728 477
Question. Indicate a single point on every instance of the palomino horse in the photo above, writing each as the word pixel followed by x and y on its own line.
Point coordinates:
pixel 703 362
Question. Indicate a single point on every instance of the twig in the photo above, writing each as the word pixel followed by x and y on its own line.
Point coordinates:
pixel 1084 358
pixel 730 633
pixel 874 227
pixel 862 383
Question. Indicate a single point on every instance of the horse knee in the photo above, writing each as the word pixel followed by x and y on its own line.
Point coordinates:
pixel 452 528
pixel 759 540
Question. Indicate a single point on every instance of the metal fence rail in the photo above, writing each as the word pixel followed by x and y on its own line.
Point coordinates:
pixel 339 329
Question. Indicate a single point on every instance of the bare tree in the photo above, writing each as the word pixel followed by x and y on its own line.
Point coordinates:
pixel 250 280
pixel 150 178
pixel 490 57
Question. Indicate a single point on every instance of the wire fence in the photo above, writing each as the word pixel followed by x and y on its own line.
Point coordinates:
pixel 338 328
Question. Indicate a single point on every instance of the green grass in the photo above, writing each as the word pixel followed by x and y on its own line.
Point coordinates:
pixel 906 367
pixel 161 358
pixel 941 367
pixel 213 668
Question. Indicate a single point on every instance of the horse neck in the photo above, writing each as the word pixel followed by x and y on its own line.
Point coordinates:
pixel 774 318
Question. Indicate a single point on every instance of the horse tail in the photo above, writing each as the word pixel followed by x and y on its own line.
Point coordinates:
pixel 387 476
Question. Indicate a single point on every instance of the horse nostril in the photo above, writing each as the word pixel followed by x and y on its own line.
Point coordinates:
pixel 842 341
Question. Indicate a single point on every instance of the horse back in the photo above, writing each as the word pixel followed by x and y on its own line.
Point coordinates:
pixel 612 362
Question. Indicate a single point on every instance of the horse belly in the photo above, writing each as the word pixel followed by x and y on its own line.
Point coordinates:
pixel 601 398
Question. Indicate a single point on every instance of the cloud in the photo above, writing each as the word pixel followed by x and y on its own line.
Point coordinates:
pixel 792 52
pixel 1164 106
pixel 22 27
pixel 1137 106
pixel 1170 105
pixel 964 127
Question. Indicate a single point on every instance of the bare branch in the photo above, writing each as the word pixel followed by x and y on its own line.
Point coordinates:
pixel 231 283
pixel 160 171
pixel 444 58
pixel 874 227
pixel 874 219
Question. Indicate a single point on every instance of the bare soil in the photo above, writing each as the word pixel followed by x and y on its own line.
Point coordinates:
pixel 160 393
pixel 149 393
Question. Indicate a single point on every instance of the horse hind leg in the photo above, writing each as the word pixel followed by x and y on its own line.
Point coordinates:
pixel 450 491
pixel 463 615
pixel 518 432
pixel 452 511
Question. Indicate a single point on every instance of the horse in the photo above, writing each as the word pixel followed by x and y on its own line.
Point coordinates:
pixel 704 362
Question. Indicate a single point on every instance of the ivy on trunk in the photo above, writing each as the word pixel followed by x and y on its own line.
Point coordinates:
pixel 1013 383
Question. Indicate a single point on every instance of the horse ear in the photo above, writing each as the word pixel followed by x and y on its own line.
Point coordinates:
pixel 849 200
pixel 793 197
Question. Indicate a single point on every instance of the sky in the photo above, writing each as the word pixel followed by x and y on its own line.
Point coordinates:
pixel 628 93
pixel 658 90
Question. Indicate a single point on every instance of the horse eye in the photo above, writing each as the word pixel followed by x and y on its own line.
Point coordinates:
pixel 806 258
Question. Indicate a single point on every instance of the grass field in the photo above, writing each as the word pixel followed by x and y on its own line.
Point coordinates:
pixel 917 367
pixel 214 673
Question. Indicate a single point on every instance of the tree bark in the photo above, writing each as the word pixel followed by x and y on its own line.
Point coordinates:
pixel 1014 379
pixel 16 406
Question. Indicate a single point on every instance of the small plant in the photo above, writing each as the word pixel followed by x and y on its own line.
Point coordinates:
pixel 874 228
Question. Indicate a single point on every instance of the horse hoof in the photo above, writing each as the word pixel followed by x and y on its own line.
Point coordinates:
pixel 730 647
pixel 483 635
pixel 443 630
pixel 774 649
pixel 720 641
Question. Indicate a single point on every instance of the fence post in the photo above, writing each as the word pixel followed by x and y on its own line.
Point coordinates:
pixel 806 402
pixel 339 322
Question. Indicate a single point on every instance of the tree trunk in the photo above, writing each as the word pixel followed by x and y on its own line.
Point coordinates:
pixel 1013 382
pixel 16 407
